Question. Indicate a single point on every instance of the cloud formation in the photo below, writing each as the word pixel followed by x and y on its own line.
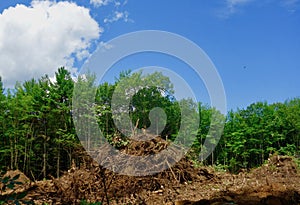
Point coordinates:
pixel 37 39
pixel 291 5
pixel 233 5
pixel 118 15
pixel 98 3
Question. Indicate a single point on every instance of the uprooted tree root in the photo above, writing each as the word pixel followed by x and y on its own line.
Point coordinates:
pixel 275 183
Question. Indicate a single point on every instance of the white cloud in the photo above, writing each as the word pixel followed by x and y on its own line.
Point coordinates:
pixel 117 15
pixel 98 3
pixel 232 5
pixel 38 39
pixel 117 4
pixel 117 12
pixel 290 5
pixel 105 45
pixel 125 2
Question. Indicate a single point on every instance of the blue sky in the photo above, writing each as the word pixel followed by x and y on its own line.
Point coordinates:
pixel 255 45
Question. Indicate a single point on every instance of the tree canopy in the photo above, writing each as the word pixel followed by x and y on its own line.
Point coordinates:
pixel 38 135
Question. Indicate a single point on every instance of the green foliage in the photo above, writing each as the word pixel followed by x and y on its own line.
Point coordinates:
pixel 36 124
pixel 84 202
pixel 254 133
pixel 38 135
pixel 220 167
pixel 297 161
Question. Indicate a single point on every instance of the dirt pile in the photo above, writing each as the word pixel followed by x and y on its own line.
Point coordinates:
pixel 140 158
pixel 94 183
pixel 276 183
pixel 144 148
pixel 18 179
pixel 13 187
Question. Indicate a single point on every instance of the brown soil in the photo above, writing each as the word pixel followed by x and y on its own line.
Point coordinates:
pixel 276 183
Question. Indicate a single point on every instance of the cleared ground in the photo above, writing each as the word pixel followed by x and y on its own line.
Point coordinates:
pixel 275 183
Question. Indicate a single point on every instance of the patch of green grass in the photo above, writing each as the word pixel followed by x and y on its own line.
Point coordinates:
pixel 297 162
pixel 84 202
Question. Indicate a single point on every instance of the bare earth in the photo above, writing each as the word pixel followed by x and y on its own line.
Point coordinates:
pixel 275 183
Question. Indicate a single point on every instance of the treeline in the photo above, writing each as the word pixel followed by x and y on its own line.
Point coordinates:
pixel 251 135
pixel 38 135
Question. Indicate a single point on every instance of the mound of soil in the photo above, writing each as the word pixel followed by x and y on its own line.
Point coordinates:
pixel 22 177
pixel 144 148
pixel 22 180
pixel 140 158
pixel 13 184
pixel 276 183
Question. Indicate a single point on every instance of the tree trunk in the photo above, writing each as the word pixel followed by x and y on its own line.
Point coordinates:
pixel 16 155
pixel 45 158
pixel 212 157
pixel 58 163
pixel 11 154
